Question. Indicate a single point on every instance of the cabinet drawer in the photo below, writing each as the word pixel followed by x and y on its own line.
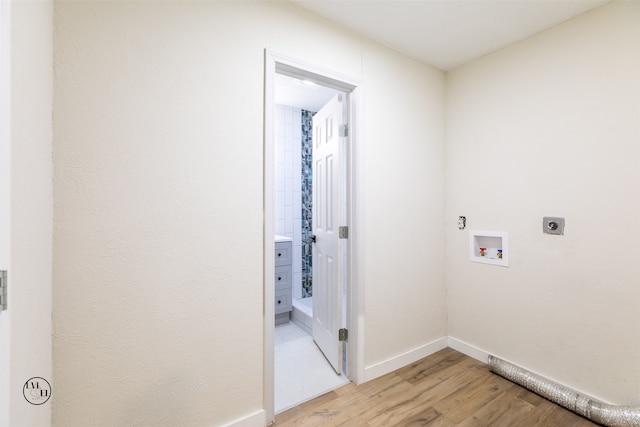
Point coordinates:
pixel 282 278
pixel 283 253
pixel 283 301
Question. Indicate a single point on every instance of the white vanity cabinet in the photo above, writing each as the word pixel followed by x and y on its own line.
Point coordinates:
pixel 283 279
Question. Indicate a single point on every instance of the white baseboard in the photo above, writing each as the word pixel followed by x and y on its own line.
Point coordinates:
pixel 256 419
pixel 468 349
pixel 397 362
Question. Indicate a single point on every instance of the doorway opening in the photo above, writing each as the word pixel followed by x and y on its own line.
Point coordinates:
pixel 308 156
pixel 306 361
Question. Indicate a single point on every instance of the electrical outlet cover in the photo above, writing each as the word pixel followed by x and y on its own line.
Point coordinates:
pixel 553 225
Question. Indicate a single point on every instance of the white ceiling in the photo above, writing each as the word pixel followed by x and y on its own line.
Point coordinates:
pixel 294 93
pixel 447 33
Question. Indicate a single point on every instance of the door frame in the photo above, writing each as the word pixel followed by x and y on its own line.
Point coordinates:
pixel 5 202
pixel 276 63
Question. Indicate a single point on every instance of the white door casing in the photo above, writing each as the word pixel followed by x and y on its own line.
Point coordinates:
pixel 278 63
pixel 5 199
pixel 326 214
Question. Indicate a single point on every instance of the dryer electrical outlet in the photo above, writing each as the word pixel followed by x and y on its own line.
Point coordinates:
pixel 553 225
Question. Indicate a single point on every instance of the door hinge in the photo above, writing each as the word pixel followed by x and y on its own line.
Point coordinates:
pixel 343 334
pixel 343 130
pixel 3 290
pixel 343 232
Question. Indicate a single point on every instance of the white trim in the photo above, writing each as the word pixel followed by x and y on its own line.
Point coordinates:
pixel 573 389
pixel 268 239
pixel 5 203
pixel 355 247
pixel 468 349
pixel 483 356
pixel 5 136
pixel 402 360
pixel 323 76
pixel 278 63
pixel 255 419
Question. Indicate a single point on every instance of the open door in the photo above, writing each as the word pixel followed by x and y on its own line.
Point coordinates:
pixel 327 252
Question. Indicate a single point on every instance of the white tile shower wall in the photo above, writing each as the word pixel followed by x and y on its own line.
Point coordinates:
pixel 288 185
pixel 279 151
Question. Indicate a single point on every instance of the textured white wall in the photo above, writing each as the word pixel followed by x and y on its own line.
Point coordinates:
pixel 404 250
pixel 29 307
pixel 551 127
pixel 158 184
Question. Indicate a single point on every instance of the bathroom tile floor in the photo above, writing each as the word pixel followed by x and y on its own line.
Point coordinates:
pixel 301 371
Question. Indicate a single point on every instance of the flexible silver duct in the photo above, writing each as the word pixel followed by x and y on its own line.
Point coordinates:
pixel 595 410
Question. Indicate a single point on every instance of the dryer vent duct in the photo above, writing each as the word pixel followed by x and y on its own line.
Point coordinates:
pixel 592 409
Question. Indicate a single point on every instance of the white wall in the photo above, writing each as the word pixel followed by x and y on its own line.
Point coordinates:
pixel 550 126
pixel 26 325
pixel 404 251
pixel 158 154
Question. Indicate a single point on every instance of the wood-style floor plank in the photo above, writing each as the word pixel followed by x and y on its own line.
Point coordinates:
pixel 442 390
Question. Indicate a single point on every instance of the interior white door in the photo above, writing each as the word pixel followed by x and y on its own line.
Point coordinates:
pixel 327 256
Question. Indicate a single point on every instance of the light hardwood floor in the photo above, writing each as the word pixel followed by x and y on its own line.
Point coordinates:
pixel 444 389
